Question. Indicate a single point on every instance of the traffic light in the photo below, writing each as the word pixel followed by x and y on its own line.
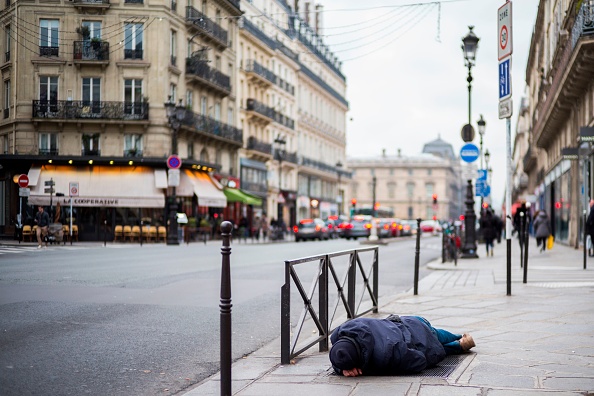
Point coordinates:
pixel 485 205
pixel 461 217
pixel 354 202
pixel 376 206
pixel 434 199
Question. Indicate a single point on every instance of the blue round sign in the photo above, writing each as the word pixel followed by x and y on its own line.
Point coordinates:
pixel 174 162
pixel 469 152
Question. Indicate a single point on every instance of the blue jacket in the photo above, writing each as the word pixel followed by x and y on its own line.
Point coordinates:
pixel 390 348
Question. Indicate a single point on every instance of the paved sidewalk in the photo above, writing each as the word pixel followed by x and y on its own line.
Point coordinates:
pixel 538 341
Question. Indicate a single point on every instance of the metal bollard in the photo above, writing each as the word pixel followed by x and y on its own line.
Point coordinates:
pixel 521 238
pixel 104 233
pixel 417 254
pixel 225 324
pixel 141 225
pixel 526 244
pixel 443 247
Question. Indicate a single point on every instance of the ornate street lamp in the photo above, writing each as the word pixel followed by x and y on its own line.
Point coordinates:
pixel 469 47
pixel 339 197
pixel 175 116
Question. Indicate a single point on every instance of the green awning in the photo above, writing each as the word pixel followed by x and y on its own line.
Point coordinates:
pixel 237 195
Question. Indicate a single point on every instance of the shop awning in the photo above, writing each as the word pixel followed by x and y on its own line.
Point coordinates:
pixel 201 184
pixel 237 195
pixel 98 186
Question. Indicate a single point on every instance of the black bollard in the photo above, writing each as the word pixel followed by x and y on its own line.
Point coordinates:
pixel 104 233
pixel 417 254
pixel 443 247
pixel 226 228
pixel 141 225
pixel 526 245
pixel 521 238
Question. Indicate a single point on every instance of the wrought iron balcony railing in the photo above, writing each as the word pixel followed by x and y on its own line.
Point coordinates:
pixel 254 187
pixel 207 26
pixel 49 51
pixel 133 54
pixel 69 109
pixel 260 35
pixel 133 153
pixel 319 165
pixel 269 112
pixel 210 126
pixel 199 68
pixel 254 67
pixel 92 2
pixel 49 151
pixel 91 50
pixel 90 152
pixel 134 1
pixel 257 145
pixel 286 86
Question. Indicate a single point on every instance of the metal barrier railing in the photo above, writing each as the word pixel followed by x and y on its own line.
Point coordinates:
pixel 322 319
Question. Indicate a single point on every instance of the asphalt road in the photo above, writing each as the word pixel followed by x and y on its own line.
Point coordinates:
pixel 130 320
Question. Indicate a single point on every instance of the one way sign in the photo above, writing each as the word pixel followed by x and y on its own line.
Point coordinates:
pixel 505 90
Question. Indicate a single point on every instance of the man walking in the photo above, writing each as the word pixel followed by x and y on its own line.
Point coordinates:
pixel 42 220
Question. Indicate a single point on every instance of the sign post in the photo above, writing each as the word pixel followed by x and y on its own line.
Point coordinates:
pixel 504 55
pixel 72 192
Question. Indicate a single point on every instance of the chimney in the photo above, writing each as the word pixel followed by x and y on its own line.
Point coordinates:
pixel 384 153
pixel 399 153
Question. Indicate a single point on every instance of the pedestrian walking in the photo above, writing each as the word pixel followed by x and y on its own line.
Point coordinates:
pixel 488 225
pixel 265 226
pixel 42 220
pixel 257 227
pixel 542 229
pixel 522 220
pixel 590 226
pixel 391 346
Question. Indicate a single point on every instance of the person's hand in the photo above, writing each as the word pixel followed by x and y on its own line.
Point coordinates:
pixel 352 373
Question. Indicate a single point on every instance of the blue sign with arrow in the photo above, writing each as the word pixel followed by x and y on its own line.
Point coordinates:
pixel 469 152
pixel 482 174
pixel 504 79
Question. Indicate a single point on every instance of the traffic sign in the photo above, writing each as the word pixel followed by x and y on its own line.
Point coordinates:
pixel 482 189
pixel 504 29
pixel 23 181
pixel 505 108
pixel 49 190
pixel 24 192
pixel 505 89
pixel 482 175
pixel 173 176
pixel 174 162
pixel 50 183
pixel 469 152
pixel 73 189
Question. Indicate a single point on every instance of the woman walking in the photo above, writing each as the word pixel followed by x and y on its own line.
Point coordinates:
pixel 489 229
pixel 542 230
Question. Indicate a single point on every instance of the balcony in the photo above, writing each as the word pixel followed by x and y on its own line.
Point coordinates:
pixel 79 110
pixel 100 5
pixel 49 151
pixel 133 152
pixel 267 114
pixel 257 33
pixel 90 152
pixel 261 150
pixel 318 165
pixel 133 54
pixel 133 1
pixel 198 71
pixel 49 51
pixel 570 76
pixel 530 160
pixel 91 52
pixel 208 29
pixel 210 128
pixel 291 157
pixel 259 73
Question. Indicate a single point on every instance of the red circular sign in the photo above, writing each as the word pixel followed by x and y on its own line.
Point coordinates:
pixel 174 162
pixel 23 181
pixel 503 37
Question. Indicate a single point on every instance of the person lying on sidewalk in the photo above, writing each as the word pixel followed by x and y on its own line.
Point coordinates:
pixel 391 346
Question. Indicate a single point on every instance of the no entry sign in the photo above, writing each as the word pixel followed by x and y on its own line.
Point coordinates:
pixel 23 181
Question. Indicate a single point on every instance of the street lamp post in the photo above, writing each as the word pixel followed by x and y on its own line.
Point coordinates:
pixel 175 115
pixel 339 172
pixel 280 152
pixel 481 130
pixel 469 47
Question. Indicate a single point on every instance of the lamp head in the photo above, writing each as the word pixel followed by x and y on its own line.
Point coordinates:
pixel 180 111
pixel 487 156
pixel 481 125
pixel 470 45
pixel 169 107
pixel 339 164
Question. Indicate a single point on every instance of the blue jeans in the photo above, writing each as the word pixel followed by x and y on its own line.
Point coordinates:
pixel 448 340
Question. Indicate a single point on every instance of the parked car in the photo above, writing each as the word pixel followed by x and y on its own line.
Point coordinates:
pixel 407 227
pixel 430 226
pixel 388 228
pixel 332 226
pixel 358 226
pixel 310 229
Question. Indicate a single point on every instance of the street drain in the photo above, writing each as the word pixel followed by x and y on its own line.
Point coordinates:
pixel 444 368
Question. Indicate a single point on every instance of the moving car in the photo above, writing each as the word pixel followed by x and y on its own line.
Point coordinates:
pixel 407 227
pixel 430 226
pixel 310 229
pixel 358 226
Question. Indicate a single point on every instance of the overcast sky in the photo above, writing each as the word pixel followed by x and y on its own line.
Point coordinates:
pixel 406 78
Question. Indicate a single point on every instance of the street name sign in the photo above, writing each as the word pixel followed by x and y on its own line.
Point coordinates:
pixel 173 177
pixel 505 109
pixel 505 90
pixel 469 152
pixel 504 27
pixel 24 192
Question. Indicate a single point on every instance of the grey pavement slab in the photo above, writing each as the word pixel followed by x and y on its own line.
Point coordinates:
pixel 537 341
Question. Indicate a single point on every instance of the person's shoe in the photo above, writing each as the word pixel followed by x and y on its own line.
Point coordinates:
pixel 491 252
pixel 466 342
pixel 38 246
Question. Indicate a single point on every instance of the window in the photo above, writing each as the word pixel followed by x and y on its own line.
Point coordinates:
pixel 217 110
pixel 133 145
pixel 48 40
pixel 190 150
pixel 6 144
pixel 410 172
pixel 230 115
pixel 204 155
pixel 410 212
pixel 410 189
pixel 7 43
pixel 190 99
pixel 48 144
pixel 48 93
pixel 6 98
pixel 391 190
pixel 429 172
pixel 429 190
pixel 203 105
pixel 90 144
pixel 92 30
pixel 91 96
pixel 173 93
pixel 173 47
pixel 133 34
pixel 133 97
